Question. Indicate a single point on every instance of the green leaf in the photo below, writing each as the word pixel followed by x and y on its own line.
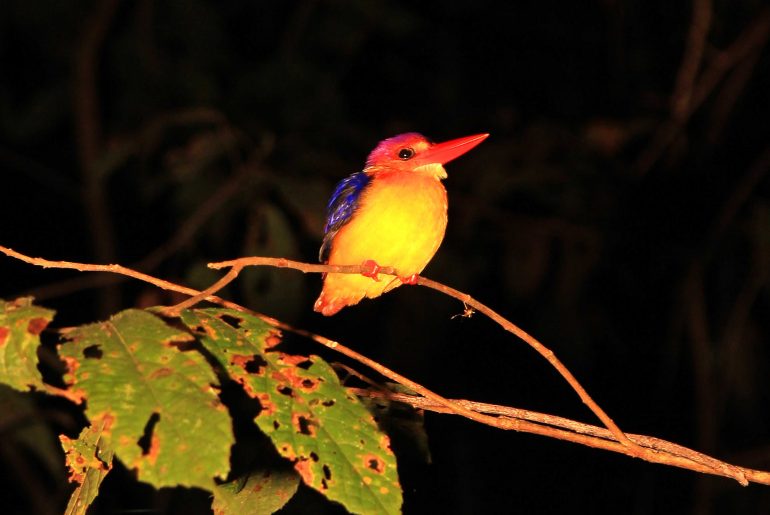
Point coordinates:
pixel 313 421
pixel 258 493
pixel 20 326
pixel 158 401
pixel 89 459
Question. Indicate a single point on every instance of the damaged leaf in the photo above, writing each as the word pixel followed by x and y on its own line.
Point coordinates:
pixel 330 437
pixel 166 420
pixel 89 459
pixel 20 326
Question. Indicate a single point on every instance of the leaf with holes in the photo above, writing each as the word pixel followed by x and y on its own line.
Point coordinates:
pixel 20 326
pixel 259 493
pixel 89 459
pixel 166 420
pixel 325 431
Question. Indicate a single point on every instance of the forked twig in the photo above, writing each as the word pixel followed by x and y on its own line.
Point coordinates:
pixel 629 447
pixel 237 265
pixel 652 449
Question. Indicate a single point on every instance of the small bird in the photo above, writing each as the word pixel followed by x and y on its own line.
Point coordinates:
pixel 393 213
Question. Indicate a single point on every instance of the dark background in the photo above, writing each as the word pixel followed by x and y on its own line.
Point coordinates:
pixel 619 211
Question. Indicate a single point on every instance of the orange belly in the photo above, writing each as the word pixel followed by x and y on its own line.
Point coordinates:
pixel 400 222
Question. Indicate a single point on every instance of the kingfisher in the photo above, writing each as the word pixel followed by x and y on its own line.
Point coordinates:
pixel 393 213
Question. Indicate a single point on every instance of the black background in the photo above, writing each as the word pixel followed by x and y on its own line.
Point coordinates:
pixel 644 266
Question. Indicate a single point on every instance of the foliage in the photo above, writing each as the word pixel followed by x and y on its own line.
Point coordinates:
pixel 150 392
pixel 312 420
pixel 20 326
pixel 89 459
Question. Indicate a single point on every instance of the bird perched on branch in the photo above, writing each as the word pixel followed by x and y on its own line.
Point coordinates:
pixel 393 213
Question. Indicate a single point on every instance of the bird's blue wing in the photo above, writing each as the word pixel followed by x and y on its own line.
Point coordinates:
pixel 341 207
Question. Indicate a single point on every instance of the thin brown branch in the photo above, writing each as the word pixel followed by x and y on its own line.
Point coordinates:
pixel 655 450
pixel 729 96
pixel 753 38
pixel 120 270
pixel 571 426
pixel 753 177
pixel 692 58
pixel 467 300
pixel 631 448
pixel 541 349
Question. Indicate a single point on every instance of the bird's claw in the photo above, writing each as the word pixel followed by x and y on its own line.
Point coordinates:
pixel 370 268
pixel 411 279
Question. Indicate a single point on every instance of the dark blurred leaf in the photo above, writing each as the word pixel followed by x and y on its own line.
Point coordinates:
pixel 259 493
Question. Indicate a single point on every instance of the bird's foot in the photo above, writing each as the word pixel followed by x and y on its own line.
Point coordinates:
pixel 370 268
pixel 411 279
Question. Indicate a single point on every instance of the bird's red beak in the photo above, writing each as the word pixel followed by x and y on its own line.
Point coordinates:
pixel 442 153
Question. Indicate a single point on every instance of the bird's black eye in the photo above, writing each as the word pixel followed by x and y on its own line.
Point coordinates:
pixel 406 153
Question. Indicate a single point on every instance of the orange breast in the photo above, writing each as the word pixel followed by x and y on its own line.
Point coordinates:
pixel 400 222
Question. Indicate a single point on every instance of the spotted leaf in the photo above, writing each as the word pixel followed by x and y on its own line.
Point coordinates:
pixel 89 460
pixel 329 436
pixel 20 326
pixel 165 417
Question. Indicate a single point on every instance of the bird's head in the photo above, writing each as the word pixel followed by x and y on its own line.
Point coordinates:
pixel 413 152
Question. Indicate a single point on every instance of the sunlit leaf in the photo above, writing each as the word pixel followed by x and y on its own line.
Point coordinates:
pixel 89 459
pixel 164 416
pixel 20 326
pixel 313 421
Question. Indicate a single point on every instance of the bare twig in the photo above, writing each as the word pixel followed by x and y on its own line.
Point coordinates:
pixel 543 419
pixel 660 452
pixel 692 58
pixel 724 102
pixel 754 37
pixel 713 357
pixel 632 448
pixel 653 450
pixel 467 300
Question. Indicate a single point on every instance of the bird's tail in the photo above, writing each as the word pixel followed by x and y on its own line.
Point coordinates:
pixel 328 306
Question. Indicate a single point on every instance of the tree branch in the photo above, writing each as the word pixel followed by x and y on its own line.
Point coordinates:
pixel 652 449
pixel 753 38
pixel 238 264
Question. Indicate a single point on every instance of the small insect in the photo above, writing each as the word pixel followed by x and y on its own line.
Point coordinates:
pixel 467 312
